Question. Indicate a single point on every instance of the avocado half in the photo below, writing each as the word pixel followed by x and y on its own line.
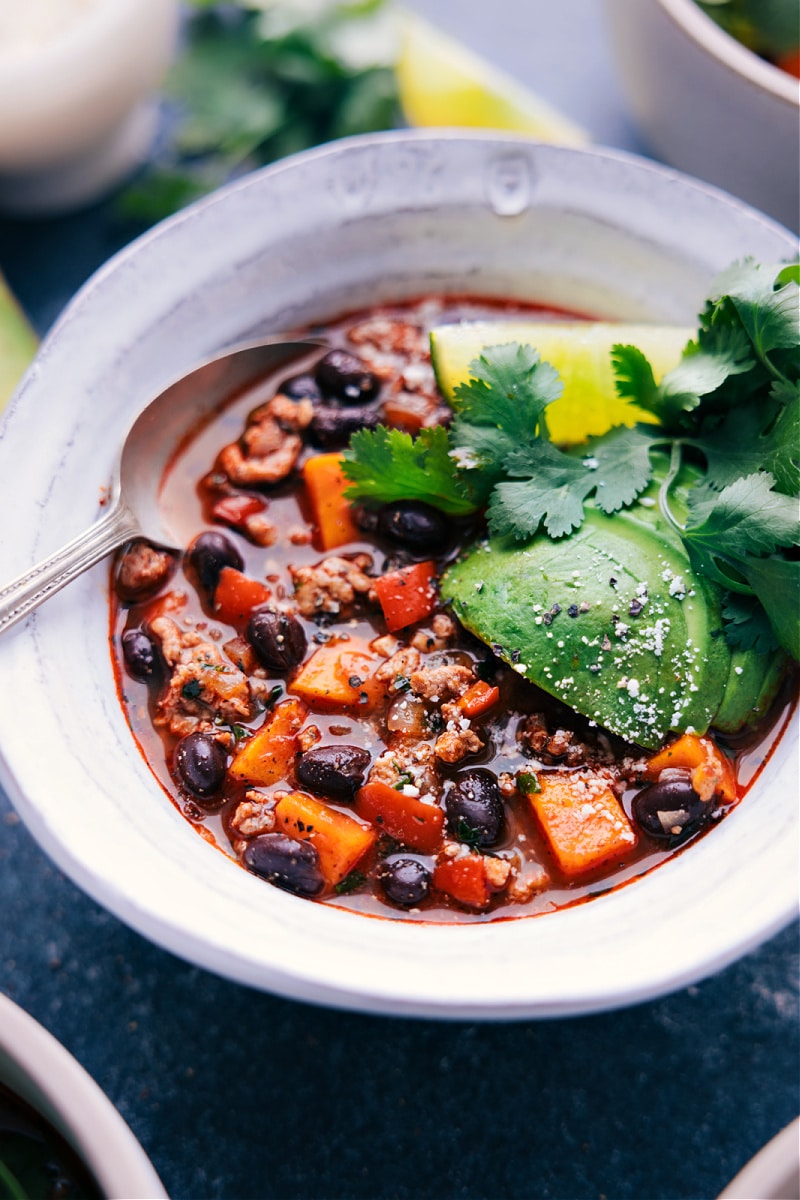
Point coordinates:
pixel 614 621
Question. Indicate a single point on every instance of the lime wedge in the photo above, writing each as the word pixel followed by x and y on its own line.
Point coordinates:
pixel 442 82
pixel 17 343
pixel 581 353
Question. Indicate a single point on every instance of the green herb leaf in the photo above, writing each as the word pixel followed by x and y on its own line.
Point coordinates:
pixel 350 883
pixel 384 465
pixel 746 518
pixel 755 438
pixel 747 625
pixel 528 783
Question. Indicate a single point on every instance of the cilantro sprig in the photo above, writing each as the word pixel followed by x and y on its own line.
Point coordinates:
pixel 731 408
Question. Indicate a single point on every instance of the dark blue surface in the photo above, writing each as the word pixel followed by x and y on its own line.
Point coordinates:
pixel 237 1095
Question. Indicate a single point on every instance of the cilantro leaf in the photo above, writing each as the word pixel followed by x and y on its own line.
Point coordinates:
pixel 616 468
pixel 384 465
pixel 634 376
pixel 699 373
pixel 776 583
pixel 508 389
pixel 552 494
pixel 768 314
pixel 765 437
pixel 748 517
pixel 621 467
pixel 747 625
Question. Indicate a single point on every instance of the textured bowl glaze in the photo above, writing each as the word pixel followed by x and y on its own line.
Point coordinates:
pixel 708 105
pixel 361 221
pixel 39 1069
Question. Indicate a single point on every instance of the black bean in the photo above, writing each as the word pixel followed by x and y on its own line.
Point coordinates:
pixel 140 656
pixel 278 639
pixel 670 811
pixel 336 771
pixel 344 377
pixel 286 862
pixel 333 427
pixel 404 881
pixel 415 526
pixel 301 387
pixel 474 806
pixel 200 765
pixel 208 554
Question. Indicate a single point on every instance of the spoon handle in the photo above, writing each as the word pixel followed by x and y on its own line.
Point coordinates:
pixel 22 595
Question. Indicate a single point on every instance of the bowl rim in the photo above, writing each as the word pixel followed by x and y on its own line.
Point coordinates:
pixel 328 981
pixel 53 1082
pixel 719 45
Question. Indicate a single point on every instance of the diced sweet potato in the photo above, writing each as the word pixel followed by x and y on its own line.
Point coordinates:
pixel 331 511
pixel 406 818
pixel 267 756
pixel 585 825
pixel 712 773
pixel 340 840
pixel 339 675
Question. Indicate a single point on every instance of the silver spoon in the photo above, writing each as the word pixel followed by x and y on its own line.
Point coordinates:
pixel 146 451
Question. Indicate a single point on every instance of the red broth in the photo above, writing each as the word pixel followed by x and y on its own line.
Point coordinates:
pixel 403 772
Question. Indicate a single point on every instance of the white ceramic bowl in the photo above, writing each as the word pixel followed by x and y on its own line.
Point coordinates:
pixel 35 1066
pixel 708 105
pixel 352 224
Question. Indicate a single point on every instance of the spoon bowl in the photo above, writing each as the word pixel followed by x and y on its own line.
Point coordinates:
pixel 148 446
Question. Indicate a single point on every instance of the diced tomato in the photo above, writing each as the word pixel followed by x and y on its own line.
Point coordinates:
pixel 406 818
pixel 237 596
pixel 407 595
pixel 235 510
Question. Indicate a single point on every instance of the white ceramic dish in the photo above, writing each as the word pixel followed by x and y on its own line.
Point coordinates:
pixel 774 1173
pixel 363 220
pixel 708 105
pixel 35 1066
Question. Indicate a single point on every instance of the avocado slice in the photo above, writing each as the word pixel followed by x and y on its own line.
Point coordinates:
pixel 581 353
pixel 17 343
pixel 752 685
pixel 614 621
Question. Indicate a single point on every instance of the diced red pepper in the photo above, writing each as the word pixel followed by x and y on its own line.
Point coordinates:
pixel 465 880
pixel 406 818
pixel 478 699
pixel 237 596
pixel 235 510
pixel 407 594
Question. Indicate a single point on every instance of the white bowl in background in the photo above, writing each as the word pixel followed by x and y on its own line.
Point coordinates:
pixel 708 105
pixel 348 225
pixel 35 1066
pixel 77 96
